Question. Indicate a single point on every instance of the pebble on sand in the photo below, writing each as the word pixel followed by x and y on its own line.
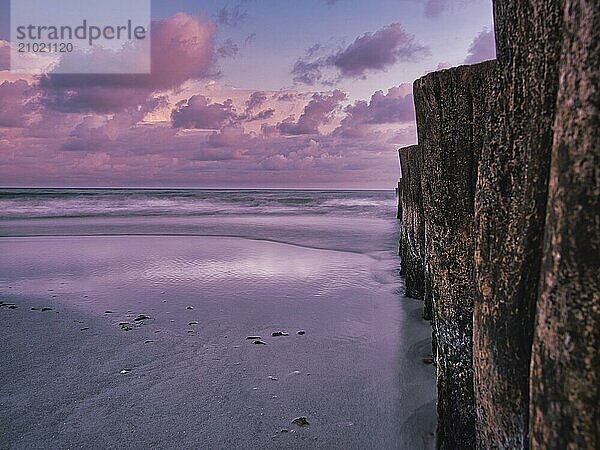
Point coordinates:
pixel 252 337
pixel 259 342
pixel 141 317
pixel 300 421
pixel 125 371
pixel 189 307
pixel 193 322
pixel 301 332
pixel 46 308
pixel 272 378
pixel 279 333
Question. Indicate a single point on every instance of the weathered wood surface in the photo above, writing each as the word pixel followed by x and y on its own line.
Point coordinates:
pixel 412 231
pixel 509 175
pixel 450 130
pixel 510 211
pixel 566 352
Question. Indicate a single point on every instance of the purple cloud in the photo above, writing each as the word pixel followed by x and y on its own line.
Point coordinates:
pixel 482 48
pixel 319 111
pixel 376 51
pixel 288 96
pixel 228 49
pixel 4 55
pixel 232 15
pixel 230 136
pixel 198 112
pixel 256 100
pixel 262 115
pixel 434 8
pixel 17 103
pixel 397 106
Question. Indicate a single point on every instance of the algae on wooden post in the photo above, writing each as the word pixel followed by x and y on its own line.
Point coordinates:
pixel 412 232
pixel 449 122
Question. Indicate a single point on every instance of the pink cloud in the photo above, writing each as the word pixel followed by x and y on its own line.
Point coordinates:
pixel 183 48
pixel 17 103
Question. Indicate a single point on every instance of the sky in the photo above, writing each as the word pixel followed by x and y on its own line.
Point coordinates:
pixel 242 94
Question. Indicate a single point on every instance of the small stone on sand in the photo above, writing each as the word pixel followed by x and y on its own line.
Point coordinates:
pixel 193 323
pixel 272 378
pixel 260 343
pixel 300 421
pixel 189 307
pixel 252 337
pixel 125 371
pixel 141 317
pixel 46 309
pixel 279 333
pixel 301 332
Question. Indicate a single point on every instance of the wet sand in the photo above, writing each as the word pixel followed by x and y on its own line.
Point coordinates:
pixel 86 373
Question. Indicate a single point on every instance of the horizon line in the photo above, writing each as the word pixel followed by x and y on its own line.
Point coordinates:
pixel 197 188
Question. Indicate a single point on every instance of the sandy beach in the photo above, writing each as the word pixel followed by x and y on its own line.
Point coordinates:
pixel 139 341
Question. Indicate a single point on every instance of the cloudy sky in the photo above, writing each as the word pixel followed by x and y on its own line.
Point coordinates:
pixel 243 93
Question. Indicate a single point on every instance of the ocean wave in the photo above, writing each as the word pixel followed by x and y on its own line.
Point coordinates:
pixel 58 203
